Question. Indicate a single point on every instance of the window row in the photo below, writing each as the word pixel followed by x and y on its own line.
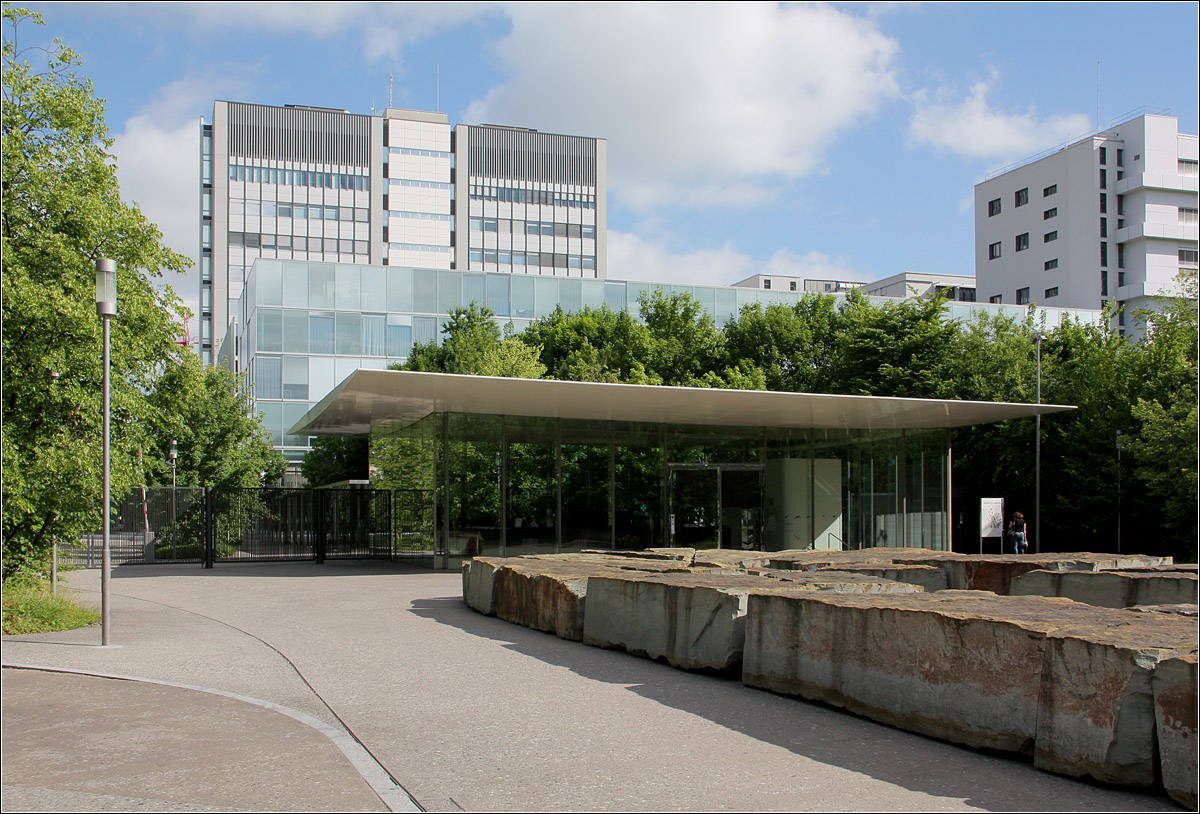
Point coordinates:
pixel 395 213
pixel 1020 198
pixel 299 243
pixel 411 182
pixel 533 227
pixel 541 259
pixel 298 178
pixel 545 197
pixel 419 247
pixel 422 153
pixel 320 332
pixel 274 209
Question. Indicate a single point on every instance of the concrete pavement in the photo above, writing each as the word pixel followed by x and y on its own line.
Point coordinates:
pixel 464 711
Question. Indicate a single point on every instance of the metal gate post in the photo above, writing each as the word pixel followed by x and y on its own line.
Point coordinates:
pixel 209 547
pixel 319 544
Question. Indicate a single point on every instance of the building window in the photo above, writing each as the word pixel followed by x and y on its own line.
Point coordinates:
pixel 1120 158
pixel 1120 279
pixel 1187 216
pixel 996 299
pixel 1051 292
pixel 1050 213
pixel 792 285
pixel 1103 253
pixel 1121 313
pixel 1103 203
pixel 993 251
pixel 1103 283
pixel 1103 227
pixel 1050 190
pixel 766 283
pixel 1050 237
pixel 1120 204
pixel 1022 296
pixel 1188 256
pixel 1103 179
pixel 1023 242
pixel 966 294
pixel 1189 167
pixel 993 207
pixel 1120 255
pixel 1050 264
pixel 1022 197
pixel 1103 155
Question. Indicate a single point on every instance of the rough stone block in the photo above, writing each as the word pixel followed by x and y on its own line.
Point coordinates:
pixel 1097 710
pixel 1175 702
pixel 927 577
pixel 1112 589
pixel 544 596
pixel 996 573
pixel 963 666
pixel 479 583
pixel 690 621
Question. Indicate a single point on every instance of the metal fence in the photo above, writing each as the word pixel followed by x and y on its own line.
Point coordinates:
pixel 220 524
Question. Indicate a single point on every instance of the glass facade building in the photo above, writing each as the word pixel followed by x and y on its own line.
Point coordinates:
pixel 305 326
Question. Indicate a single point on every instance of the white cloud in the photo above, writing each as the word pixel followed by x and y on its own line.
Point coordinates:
pixel 632 257
pixel 814 265
pixel 158 163
pixel 701 104
pixel 974 128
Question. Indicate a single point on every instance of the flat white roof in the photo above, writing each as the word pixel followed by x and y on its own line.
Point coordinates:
pixel 370 398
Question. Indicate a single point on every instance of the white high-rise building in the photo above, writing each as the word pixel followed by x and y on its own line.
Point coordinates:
pixel 403 188
pixel 1111 217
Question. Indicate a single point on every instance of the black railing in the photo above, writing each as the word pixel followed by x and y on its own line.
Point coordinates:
pixel 220 524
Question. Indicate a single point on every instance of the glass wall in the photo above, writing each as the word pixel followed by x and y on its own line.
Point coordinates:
pixel 512 485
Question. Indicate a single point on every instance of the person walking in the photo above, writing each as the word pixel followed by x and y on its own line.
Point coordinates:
pixel 1016 530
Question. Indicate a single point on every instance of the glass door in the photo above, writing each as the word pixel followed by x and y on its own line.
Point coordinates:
pixel 695 507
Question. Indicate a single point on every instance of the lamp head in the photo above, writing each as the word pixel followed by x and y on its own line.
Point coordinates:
pixel 106 287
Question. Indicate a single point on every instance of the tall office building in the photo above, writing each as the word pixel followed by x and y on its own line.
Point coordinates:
pixel 1111 217
pixel 403 188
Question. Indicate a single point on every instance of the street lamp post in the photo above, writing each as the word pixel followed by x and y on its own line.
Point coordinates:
pixel 174 530
pixel 1038 338
pixel 1118 491
pixel 106 307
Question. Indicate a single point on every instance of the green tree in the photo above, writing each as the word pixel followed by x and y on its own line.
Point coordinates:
pixel 219 442
pixel 791 345
pixel 334 459
pixel 473 345
pixel 61 211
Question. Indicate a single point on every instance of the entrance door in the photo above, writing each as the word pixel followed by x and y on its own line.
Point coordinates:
pixel 715 506
pixel 695 507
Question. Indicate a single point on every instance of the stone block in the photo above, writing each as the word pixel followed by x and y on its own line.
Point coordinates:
pixel 544 596
pixel 1112 589
pixel 963 666
pixel 693 621
pixel 1097 709
pixel 1175 702
pixel 479 583
pixel 927 577
pixel 996 573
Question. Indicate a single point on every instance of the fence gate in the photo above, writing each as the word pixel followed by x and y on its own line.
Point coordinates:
pixel 227 524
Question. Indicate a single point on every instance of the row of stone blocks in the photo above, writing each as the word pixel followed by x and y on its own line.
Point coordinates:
pixel 1083 690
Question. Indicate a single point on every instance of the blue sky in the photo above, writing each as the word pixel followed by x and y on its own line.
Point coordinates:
pixel 821 140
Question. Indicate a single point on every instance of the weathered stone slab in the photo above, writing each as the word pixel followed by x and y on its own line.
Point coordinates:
pixel 828 579
pixel 952 664
pixel 1097 709
pixel 1175 701
pixel 996 572
pixel 684 555
pixel 479 583
pixel 1064 681
pixel 695 621
pixel 927 577
pixel 1112 589
pixel 544 595
pixel 807 560
pixel 1180 610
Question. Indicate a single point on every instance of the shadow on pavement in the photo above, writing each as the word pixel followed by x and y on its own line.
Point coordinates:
pixel 822 733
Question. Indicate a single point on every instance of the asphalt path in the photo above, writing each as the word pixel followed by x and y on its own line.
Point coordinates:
pixel 368 686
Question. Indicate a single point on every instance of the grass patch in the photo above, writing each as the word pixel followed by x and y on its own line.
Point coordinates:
pixel 29 608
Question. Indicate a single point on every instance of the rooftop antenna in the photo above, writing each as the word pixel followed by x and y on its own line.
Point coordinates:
pixel 389 88
pixel 1097 95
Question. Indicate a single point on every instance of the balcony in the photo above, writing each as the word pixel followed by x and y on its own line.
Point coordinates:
pixel 1158 231
pixel 1178 183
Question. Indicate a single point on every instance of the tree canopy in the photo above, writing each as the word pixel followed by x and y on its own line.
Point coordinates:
pixel 62 210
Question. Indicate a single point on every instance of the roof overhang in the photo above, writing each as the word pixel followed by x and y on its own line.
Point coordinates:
pixel 373 398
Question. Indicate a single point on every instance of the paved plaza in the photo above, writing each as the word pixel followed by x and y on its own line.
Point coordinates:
pixel 368 686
